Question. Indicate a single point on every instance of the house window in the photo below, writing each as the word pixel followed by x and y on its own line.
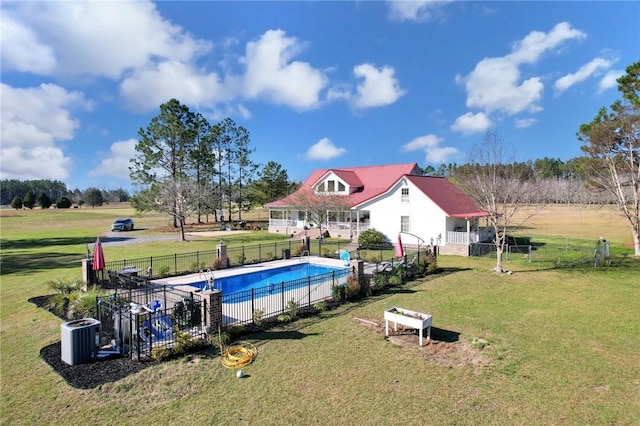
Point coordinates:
pixel 404 195
pixel 341 187
pixel 320 187
pixel 405 224
pixel 331 186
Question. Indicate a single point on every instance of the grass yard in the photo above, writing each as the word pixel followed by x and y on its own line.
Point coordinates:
pixel 542 346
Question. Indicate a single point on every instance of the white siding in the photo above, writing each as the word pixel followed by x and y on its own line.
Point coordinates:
pixel 426 218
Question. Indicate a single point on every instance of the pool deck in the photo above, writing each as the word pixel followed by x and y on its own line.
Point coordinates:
pixel 183 282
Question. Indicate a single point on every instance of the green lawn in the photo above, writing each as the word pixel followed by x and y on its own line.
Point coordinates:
pixel 561 346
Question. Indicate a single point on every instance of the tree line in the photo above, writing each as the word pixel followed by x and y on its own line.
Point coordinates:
pixel 44 193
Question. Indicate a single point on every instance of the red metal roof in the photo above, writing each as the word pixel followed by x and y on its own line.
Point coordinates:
pixel 447 196
pixel 376 180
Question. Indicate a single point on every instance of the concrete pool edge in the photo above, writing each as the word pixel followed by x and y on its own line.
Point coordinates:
pixel 184 282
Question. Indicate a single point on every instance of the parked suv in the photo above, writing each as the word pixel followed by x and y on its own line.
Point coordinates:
pixel 122 225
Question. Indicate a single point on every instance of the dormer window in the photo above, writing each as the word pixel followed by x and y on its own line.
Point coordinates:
pixel 332 186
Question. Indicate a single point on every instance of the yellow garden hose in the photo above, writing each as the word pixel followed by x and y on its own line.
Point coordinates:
pixel 239 356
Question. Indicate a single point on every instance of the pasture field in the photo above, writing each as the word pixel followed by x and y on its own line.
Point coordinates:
pixel 541 346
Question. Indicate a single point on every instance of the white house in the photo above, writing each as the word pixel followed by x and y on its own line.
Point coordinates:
pixel 393 199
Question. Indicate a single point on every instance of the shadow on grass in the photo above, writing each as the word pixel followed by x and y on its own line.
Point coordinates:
pixel 281 335
pixel 29 263
pixel 444 335
pixel 35 243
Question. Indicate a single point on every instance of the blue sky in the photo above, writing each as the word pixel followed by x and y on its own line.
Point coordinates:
pixel 317 84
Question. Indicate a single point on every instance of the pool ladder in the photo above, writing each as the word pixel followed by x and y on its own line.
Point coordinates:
pixel 305 253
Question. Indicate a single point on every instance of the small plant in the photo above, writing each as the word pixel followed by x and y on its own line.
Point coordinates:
pixel 64 286
pixel 164 271
pixel 380 281
pixel 325 251
pixel 257 316
pixel 241 259
pixel 337 292
pixel 185 342
pixel 269 255
pixel 293 308
pixel 284 318
pixel 195 266
pixel 320 306
pixel 353 286
pixel 160 353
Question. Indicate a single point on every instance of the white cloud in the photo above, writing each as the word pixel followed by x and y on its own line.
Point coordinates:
pixel 610 80
pixel 116 163
pixel 414 10
pixel 509 93
pixel 430 144
pixel 594 67
pixel 523 123
pixel 155 85
pixel 99 38
pixel 21 49
pixel 270 73
pixel 33 120
pixel 379 88
pixel 470 123
pixel 324 149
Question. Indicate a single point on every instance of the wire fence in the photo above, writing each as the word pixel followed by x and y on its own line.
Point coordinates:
pixel 566 253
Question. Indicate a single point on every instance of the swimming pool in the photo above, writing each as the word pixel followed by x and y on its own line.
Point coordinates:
pixel 266 278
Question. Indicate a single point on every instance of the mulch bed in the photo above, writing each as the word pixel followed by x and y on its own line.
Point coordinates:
pixel 89 375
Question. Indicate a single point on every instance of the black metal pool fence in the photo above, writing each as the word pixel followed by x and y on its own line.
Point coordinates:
pixel 181 263
pixel 252 305
pixel 135 322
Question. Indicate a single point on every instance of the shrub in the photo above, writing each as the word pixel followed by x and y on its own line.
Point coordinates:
pixel 16 203
pixel 164 271
pixel 185 342
pixel 352 289
pixel 320 306
pixel 293 308
pixel 63 203
pixel 43 200
pixel 337 292
pixel 284 318
pixel 160 353
pixel 380 281
pixel 197 266
pixel 371 238
pixel 257 316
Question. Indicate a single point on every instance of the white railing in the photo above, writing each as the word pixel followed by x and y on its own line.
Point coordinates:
pixel 457 237
pixel 283 222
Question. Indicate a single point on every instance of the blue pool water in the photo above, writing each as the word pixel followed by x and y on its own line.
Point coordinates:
pixel 258 279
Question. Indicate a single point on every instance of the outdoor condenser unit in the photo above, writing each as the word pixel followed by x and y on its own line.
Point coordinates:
pixel 78 341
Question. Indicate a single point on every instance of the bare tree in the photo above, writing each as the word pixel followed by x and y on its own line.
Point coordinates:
pixel 319 205
pixel 496 186
pixel 180 199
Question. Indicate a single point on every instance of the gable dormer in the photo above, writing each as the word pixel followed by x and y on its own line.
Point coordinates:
pixel 338 182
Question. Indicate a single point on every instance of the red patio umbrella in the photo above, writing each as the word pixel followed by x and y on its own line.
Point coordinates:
pixel 399 248
pixel 98 256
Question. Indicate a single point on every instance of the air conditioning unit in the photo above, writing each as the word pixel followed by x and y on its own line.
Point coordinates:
pixel 78 341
